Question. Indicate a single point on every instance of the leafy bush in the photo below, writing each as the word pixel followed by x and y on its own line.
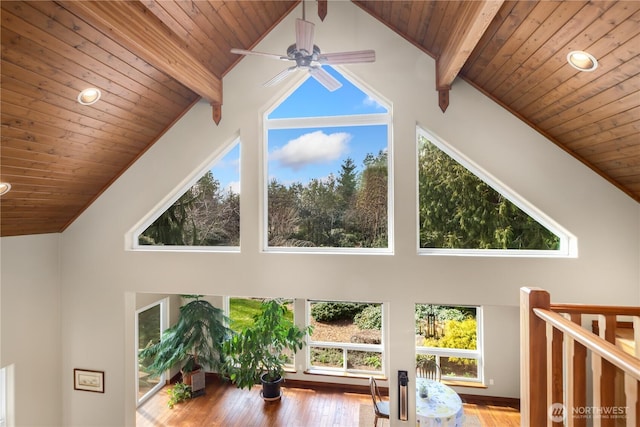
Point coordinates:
pixel 178 393
pixel 370 317
pixel 333 311
pixel 458 334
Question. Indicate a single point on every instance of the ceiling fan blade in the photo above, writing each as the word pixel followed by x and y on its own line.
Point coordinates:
pixel 251 52
pixel 325 79
pixel 304 35
pixel 347 57
pixel 280 76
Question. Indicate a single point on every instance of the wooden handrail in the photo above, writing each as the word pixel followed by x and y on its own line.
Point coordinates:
pixel 621 310
pixel 605 349
pixel 553 370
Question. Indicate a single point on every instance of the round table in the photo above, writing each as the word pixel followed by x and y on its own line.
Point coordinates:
pixel 442 407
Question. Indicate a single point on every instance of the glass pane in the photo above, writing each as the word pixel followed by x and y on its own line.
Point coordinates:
pixel 458 210
pixel 327 357
pixel 459 367
pixel 348 322
pixel 347 100
pixel 328 187
pixel 207 214
pixel 446 326
pixel 242 312
pixel 148 334
pixel 364 360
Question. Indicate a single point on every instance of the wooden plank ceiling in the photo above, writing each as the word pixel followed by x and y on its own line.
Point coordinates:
pixel 59 155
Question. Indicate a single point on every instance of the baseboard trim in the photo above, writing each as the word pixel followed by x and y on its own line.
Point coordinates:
pixel 477 399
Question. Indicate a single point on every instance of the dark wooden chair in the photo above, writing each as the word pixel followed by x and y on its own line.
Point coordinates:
pixel 380 407
pixel 427 368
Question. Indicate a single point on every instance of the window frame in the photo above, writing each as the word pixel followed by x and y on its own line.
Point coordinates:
pixel 132 237
pixel 477 354
pixel 568 242
pixel 327 122
pixel 344 371
pixel 164 324
pixel 3 397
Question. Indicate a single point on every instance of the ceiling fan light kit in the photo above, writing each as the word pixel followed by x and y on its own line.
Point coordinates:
pixel 307 55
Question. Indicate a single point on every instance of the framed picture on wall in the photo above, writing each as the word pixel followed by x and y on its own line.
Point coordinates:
pixel 88 380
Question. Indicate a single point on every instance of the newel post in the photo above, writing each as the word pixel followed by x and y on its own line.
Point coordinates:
pixel 533 358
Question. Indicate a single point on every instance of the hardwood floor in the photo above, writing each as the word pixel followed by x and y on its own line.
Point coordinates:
pixel 224 405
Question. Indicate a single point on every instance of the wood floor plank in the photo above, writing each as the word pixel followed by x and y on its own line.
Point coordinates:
pixel 324 406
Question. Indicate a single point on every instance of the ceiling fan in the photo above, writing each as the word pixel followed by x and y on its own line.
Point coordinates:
pixel 307 55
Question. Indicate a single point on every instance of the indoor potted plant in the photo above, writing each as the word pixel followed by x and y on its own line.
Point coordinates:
pixel 193 342
pixel 255 355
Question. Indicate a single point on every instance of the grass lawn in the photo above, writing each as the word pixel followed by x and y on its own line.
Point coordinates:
pixel 243 310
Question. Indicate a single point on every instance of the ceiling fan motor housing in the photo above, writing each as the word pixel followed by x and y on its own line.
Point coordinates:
pixel 302 57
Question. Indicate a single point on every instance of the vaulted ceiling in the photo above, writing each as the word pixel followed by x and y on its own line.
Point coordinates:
pixel 153 59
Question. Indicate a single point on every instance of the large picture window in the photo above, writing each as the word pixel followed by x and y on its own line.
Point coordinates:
pixel 206 214
pixel 327 170
pixel 452 336
pixel 462 209
pixel 347 337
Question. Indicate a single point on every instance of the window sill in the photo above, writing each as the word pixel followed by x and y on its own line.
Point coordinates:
pixel 343 374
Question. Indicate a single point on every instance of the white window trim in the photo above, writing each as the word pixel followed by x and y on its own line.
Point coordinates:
pixel 464 353
pixel 3 397
pixel 132 236
pixel 324 122
pixel 345 346
pixel 164 324
pixel 568 242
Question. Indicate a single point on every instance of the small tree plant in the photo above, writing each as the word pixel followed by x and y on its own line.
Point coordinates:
pixel 257 351
pixel 195 340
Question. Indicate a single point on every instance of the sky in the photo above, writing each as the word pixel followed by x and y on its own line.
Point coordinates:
pixel 299 155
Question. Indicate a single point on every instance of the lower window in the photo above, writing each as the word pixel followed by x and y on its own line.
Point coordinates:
pixel 346 338
pixel 452 336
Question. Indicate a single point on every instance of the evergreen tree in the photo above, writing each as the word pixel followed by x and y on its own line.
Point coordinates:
pixel 459 210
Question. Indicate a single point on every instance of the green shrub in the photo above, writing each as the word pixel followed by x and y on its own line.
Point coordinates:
pixel 327 357
pixel 333 311
pixel 178 393
pixel 458 334
pixel 370 317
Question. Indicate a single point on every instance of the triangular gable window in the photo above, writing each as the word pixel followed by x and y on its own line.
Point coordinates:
pixel 328 170
pixel 206 214
pixel 468 212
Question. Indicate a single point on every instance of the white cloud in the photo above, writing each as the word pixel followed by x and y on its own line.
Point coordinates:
pixel 371 102
pixel 312 148
pixel 234 186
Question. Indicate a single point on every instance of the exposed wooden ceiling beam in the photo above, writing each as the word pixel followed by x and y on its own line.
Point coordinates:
pixel 139 30
pixel 473 22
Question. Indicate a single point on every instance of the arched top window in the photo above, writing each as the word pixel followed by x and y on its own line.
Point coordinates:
pixel 328 170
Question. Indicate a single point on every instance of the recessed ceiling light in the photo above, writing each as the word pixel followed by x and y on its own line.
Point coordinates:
pixel 4 188
pixel 89 96
pixel 582 61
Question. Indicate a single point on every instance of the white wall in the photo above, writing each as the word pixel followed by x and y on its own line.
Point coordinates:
pixel 30 334
pixel 100 278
